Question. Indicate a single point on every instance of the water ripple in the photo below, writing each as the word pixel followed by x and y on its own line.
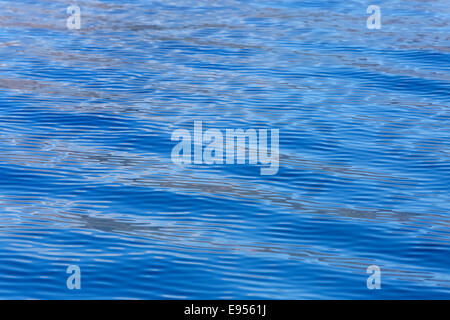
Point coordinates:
pixel 87 178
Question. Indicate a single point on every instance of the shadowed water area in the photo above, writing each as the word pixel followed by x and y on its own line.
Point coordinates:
pixel 87 179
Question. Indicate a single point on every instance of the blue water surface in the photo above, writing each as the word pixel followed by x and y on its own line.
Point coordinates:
pixel 87 179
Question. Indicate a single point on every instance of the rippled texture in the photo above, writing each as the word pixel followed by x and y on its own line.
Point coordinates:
pixel 86 176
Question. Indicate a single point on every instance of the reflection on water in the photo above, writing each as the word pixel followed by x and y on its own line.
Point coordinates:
pixel 86 118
